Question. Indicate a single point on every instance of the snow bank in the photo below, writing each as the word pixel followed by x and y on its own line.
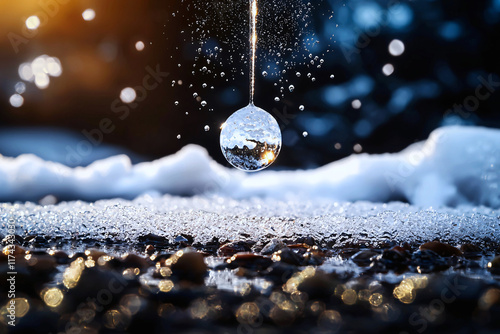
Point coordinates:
pixel 454 166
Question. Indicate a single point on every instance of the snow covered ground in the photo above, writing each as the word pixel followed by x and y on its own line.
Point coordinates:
pixel 454 166
pixel 257 219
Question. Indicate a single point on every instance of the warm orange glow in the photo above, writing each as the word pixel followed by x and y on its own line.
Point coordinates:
pixel 269 156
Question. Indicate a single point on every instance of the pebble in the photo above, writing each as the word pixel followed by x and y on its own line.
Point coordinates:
pixel 37 241
pixel 471 251
pixel 181 238
pixel 442 249
pixel 390 260
pixel 273 246
pixel 426 261
pixel 60 256
pixel 494 266
pixel 136 261
pixel 189 265
pixel 287 255
pixel 232 248
pixel 154 239
pixel 364 258
pixel 94 254
pixel 314 256
pixel 319 286
pixel 42 263
pixel 280 272
pixel 306 240
pixel 249 261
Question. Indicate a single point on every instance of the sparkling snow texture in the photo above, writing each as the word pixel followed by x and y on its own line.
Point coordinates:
pixel 206 218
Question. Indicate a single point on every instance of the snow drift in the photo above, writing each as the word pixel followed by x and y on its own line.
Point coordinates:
pixel 454 166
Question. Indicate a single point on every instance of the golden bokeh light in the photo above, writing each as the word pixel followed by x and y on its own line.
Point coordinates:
pixel 52 297
pixel 165 285
pixel 376 299
pixel 72 274
pixel 114 319
pixel 349 297
pixel 199 309
pixel 247 313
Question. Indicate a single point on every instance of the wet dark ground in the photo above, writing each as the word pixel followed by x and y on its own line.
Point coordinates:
pixel 285 286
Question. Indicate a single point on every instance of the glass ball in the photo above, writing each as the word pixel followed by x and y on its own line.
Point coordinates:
pixel 250 139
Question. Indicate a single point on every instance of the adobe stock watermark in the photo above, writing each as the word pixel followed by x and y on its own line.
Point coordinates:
pixel 10 250
pixel 365 36
pixel 103 298
pixel 48 9
pixel 487 86
pixel 410 162
pixel 95 137
pixel 437 306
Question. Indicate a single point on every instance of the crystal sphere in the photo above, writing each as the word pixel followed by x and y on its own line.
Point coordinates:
pixel 250 139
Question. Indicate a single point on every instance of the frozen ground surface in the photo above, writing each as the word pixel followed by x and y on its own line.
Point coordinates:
pixel 454 166
pixel 205 218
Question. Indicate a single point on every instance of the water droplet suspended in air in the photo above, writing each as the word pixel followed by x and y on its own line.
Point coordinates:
pixel 305 134
pixel 264 74
pixel 332 76
pixel 195 95
pixel 250 139
pixel 178 136
pixel 301 108
pixel 203 103
pixel 207 128
pixel 276 99
pixel 176 103
pixel 291 88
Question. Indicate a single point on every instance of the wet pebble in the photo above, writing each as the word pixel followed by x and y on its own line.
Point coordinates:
pixel 364 258
pixel 441 249
pixel 305 240
pixel 43 264
pixel 136 261
pixel 232 248
pixel 390 260
pixel 60 256
pixel 319 286
pixel 471 251
pixel 287 255
pixel 36 241
pixel 94 254
pixel 272 246
pixel 280 272
pixel 248 261
pixel 314 256
pixel 188 265
pixel 153 239
pixel 426 261
pixel 494 266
